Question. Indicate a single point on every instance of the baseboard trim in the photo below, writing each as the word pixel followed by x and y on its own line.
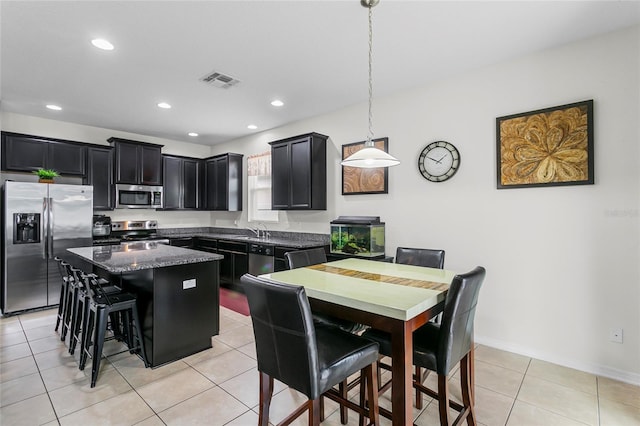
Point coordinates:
pixel 600 370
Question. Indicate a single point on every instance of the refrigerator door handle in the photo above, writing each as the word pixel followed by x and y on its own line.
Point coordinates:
pixel 45 226
pixel 50 230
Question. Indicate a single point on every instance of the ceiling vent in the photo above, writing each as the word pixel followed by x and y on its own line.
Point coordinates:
pixel 220 80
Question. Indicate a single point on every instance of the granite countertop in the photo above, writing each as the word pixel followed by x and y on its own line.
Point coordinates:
pixel 136 256
pixel 286 239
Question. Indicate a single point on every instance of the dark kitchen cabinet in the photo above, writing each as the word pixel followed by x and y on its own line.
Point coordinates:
pixel 137 163
pixel 235 263
pixel 185 242
pixel 100 175
pixel 25 153
pixel 223 182
pixel 182 182
pixel 299 173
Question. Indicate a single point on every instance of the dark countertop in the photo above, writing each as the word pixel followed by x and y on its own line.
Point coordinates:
pixel 137 256
pixel 285 239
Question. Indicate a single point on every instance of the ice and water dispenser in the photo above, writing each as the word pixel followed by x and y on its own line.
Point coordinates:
pixel 26 228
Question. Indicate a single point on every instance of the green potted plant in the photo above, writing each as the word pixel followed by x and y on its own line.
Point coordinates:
pixel 46 175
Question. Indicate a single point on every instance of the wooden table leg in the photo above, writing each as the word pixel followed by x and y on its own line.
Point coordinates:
pixel 402 384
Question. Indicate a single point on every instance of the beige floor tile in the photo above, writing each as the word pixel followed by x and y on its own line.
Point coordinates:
pixel 223 367
pixel 42 332
pixel 212 407
pixel 80 395
pixel 614 413
pixel 217 348
pixel 33 411
pixel 9 353
pixel 237 337
pixel 228 324
pixel 64 375
pixel 431 415
pixel 495 378
pixel 614 390
pixel 152 421
pixel 55 358
pixel 46 344
pixel 245 319
pixel 501 358
pixel 249 349
pixel 287 401
pixel 524 414
pixel 10 325
pixel 39 319
pixel 492 408
pixel 9 339
pixel 245 387
pixel 124 409
pixel 133 370
pixel 173 389
pixel 17 368
pixel 560 399
pixel 248 418
pixel 21 388
pixel 578 380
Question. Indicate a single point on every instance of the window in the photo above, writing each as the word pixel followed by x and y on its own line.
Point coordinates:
pixel 259 189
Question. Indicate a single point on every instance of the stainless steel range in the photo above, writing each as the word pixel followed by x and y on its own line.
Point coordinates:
pixel 137 230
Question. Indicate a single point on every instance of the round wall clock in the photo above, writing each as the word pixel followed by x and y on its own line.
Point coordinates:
pixel 439 161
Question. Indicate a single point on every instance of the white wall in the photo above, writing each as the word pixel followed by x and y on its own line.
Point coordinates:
pixel 562 262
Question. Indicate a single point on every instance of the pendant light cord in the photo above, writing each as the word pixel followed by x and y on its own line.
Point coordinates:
pixel 370 135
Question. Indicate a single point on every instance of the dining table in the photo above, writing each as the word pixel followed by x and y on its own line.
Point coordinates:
pixel 392 297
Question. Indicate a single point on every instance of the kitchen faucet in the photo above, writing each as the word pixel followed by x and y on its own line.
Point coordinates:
pixel 265 233
pixel 255 231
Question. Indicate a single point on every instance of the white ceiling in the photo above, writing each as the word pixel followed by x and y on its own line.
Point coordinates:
pixel 310 54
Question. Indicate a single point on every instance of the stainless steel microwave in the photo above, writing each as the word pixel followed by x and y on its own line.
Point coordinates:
pixel 138 197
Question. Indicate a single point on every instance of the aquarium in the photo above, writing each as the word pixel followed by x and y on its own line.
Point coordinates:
pixel 357 236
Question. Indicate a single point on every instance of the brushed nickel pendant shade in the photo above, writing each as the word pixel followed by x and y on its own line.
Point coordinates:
pixel 370 156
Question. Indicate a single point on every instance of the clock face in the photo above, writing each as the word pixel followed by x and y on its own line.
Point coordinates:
pixel 439 161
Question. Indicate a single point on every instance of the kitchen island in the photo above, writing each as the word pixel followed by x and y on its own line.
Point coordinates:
pixel 177 292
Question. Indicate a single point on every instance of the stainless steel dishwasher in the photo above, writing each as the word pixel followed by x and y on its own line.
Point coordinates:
pixel 261 258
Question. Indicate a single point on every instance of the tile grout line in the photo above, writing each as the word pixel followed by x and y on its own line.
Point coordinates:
pixel 515 398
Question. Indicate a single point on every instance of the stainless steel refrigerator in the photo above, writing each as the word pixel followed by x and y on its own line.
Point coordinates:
pixel 40 221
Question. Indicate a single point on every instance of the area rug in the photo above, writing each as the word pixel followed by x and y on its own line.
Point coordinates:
pixel 235 301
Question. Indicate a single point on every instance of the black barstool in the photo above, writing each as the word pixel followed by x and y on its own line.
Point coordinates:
pixel 63 290
pixel 102 305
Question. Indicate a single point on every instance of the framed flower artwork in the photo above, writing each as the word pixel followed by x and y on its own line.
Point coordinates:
pixel 546 147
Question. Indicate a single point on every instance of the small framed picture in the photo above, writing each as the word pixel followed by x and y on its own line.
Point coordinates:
pixel 356 180
pixel 546 147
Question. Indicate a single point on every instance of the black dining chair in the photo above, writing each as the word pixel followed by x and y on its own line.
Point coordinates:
pixel 429 258
pixel 439 347
pixel 310 358
pixel 314 256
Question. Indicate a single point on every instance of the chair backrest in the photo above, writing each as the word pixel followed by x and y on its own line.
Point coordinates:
pixel 301 258
pixel 285 337
pixel 456 328
pixel 420 257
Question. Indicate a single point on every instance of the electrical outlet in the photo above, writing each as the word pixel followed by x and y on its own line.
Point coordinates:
pixel 615 335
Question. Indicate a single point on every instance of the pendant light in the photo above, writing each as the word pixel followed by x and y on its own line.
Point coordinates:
pixel 370 156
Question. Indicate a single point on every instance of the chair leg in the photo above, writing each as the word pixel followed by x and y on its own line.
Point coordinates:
pixel 87 334
pixel 443 402
pixel 266 391
pixel 138 328
pixel 343 390
pixel 314 411
pixel 465 385
pixel 371 377
pixel 418 378
pixel 98 343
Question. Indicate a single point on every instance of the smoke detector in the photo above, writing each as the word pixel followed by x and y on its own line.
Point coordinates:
pixel 220 80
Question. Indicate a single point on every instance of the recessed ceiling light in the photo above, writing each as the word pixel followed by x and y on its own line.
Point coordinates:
pixel 164 105
pixel 194 134
pixel 277 103
pixel 252 127
pixel 101 43
pixel 54 107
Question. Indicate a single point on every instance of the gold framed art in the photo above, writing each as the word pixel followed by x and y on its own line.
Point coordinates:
pixel 356 180
pixel 546 147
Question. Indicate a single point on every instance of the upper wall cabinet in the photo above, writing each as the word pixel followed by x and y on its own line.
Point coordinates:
pixel 100 175
pixel 25 153
pixel 137 163
pixel 183 182
pixel 223 182
pixel 299 173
